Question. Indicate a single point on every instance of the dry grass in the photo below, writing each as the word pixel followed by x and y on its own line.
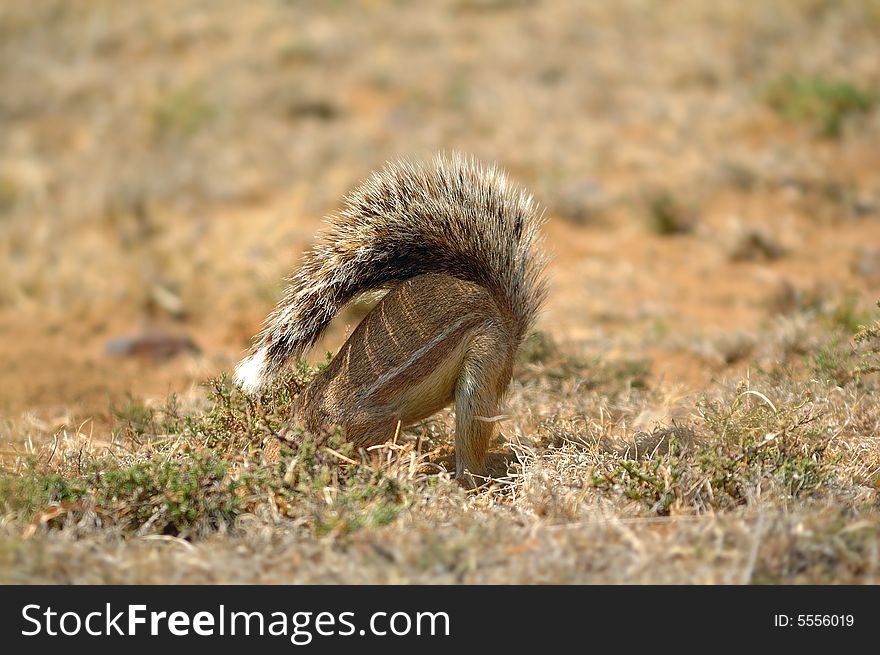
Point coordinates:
pixel 758 482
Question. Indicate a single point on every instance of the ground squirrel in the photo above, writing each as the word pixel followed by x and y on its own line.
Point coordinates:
pixel 457 247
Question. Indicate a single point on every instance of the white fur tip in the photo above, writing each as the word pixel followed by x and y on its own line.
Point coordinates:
pixel 250 374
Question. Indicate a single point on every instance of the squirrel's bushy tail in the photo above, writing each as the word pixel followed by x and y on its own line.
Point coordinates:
pixel 455 216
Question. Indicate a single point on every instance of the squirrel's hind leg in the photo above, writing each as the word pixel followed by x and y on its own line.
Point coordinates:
pixel 484 376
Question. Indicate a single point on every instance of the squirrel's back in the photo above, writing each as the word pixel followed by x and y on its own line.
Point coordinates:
pixel 454 217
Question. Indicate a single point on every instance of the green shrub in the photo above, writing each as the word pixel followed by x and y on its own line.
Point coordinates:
pixel 827 104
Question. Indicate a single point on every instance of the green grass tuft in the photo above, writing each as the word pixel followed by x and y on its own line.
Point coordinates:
pixel 867 341
pixel 739 452
pixel 181 113
pixel 825 103
pixel 667 216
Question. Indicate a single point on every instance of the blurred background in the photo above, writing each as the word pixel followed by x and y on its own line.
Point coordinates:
pixel 710 172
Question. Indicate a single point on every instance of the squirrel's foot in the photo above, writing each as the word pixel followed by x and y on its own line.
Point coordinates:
pixel 466 480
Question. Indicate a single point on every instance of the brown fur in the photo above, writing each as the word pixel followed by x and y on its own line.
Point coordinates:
pixel 432 340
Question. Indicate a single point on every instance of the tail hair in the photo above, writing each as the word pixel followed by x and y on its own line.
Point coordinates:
pixel 455 216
